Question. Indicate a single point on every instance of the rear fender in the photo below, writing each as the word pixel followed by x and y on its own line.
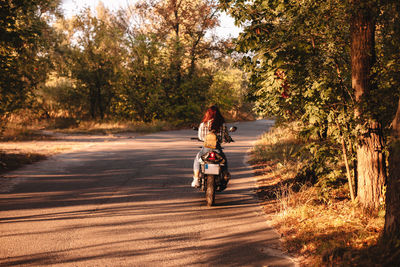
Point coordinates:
pixel 218 158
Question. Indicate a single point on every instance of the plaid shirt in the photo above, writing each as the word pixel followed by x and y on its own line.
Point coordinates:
pixel 222 134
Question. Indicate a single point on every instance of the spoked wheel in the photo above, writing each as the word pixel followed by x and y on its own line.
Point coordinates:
pixel 210 191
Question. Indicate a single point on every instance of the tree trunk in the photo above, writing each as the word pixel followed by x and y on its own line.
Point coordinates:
pixel 391 233
pixel 396 122
pixel 371 167
pixel 177 61
pixel 346 163
pixel 371 170
pixel 92 99
pixel 193 55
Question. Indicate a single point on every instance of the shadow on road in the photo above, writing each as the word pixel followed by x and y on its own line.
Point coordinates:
pixel 131 204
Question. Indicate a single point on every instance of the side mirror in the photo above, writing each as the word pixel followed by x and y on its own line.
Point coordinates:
pixel 233 129
pixel 195 128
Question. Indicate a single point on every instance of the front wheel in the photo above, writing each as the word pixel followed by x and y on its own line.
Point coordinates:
pixel 210 191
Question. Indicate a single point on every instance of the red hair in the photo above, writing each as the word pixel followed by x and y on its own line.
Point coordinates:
pixel 213 114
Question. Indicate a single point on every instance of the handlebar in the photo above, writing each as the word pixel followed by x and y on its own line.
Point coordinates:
pixel 197 139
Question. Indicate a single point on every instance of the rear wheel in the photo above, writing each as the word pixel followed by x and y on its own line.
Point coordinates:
pixel 210 191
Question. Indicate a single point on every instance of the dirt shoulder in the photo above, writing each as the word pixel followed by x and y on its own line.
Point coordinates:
pixel 15 154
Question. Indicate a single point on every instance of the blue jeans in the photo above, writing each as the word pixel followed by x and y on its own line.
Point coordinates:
pixel 196 163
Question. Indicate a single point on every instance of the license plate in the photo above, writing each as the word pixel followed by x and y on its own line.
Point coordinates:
pixel 211 169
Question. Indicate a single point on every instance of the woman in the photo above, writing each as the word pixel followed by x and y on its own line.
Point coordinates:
pixel 213 121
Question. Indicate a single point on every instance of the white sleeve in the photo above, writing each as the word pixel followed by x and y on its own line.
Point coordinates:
pixel 199 135
pixel 202 131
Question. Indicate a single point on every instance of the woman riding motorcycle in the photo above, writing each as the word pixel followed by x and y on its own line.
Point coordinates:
pixel 214 122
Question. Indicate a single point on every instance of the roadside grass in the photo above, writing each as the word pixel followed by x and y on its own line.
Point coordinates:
pixel 42 130
pixel 320 233
pixel 12 161
pixel 18 132
pixel 93 127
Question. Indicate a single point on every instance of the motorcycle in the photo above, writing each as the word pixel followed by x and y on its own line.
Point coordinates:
pixel 213 174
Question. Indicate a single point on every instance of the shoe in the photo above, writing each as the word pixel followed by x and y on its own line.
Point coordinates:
pixel 195 182
pixel 221 188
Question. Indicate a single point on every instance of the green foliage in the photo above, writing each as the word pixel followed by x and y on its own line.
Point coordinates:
pixel 387 67
pixel 298 56
pixel 228 89
pixel 138 64
pixel 297 53
pixel 59 94
pixel 95 61
pixel 153 61
pixel 323 169
pixel 25 38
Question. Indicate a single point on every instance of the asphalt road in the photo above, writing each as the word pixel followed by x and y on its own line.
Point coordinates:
pixel 128 202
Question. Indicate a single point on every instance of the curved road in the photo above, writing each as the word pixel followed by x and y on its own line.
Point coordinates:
pixel 128 203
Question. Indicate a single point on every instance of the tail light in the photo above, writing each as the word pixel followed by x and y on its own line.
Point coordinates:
pixel 211 156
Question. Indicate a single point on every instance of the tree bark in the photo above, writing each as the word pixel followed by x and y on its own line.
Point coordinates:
pixel 371 170
pixel 371 164
pixel 391 233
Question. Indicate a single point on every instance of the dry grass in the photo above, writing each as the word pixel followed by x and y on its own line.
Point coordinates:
pixel 336 233
pixel 92 127
pixel 12 161
pixel 15 132
pixel 39 130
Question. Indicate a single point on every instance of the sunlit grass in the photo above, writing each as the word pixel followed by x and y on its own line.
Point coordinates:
pixel 93 127
pixel 333 233
pixel 21 132
pixel 18 130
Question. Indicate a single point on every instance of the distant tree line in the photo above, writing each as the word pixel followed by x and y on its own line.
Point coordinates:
pixel 155 60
